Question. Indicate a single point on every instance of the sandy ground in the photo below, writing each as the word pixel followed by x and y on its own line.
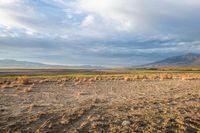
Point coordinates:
pixel 100 106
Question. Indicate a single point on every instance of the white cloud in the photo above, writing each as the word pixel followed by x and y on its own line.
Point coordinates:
pixel 133 17
pixel 122 26
pixel 6 2
pixel 112 12
pixel 16 14
pixel 144 17
pixel 89 20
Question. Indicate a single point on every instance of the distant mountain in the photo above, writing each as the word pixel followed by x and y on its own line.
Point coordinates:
pixel 7 63
pixel 14 63
pixel 186 60
pixel 91 66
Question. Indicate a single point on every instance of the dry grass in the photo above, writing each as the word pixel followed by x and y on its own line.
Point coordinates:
pixel 28 89
pixel 127 79
pixel 142 77
pixel 23 80
pixel 112 103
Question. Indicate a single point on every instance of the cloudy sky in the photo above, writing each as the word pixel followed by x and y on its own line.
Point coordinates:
pixel 98 32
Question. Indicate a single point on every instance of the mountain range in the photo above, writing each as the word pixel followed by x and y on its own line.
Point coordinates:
pixel 7 63
pixel 186 60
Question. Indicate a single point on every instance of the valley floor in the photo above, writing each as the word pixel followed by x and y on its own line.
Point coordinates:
pixel 52 105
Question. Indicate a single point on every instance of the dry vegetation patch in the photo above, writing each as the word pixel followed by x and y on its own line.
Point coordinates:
pixel 163 102
pixel 23 80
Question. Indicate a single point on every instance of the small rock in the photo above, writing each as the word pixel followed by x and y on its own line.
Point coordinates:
pixel 126 123
pixel 77 83
pixel 97 100
pixel 61 85
pixel 28 89
pixel 83 93
pixel 18 88
pixel 64 122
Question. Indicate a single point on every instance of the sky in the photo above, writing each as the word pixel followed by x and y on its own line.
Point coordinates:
pixel 115 33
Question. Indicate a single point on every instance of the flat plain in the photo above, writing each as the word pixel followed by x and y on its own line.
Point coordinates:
pixel 101 101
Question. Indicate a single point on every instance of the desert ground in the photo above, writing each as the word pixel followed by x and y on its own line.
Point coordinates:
pixel 124 103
